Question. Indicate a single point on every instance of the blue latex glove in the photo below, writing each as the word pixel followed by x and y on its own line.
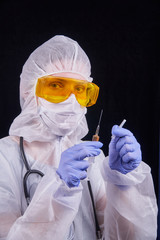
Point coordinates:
pixel 72 167
pixel 124 151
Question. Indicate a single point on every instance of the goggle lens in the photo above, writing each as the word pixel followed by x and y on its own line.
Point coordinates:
pixel 58 89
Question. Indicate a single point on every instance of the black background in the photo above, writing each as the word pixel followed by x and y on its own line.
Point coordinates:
pixel 122 41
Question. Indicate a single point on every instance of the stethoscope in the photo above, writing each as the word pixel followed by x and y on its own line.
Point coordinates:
pixel 28 173
pixel 35 171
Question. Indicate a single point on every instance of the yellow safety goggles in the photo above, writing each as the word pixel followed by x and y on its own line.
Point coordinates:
pixel 57 89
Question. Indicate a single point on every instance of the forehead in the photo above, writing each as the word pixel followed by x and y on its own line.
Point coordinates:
pixel 69 75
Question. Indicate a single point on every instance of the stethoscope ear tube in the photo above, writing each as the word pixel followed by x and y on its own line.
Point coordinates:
pixel 28 173
pixel 23 154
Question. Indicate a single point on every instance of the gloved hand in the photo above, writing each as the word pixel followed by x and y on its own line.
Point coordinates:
pixel 124 151
pixel 72 167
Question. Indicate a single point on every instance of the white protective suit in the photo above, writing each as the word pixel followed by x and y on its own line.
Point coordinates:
pixel 125 204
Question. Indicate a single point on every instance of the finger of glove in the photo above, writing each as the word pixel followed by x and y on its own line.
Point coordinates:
pixel 120 132
pixel 75 176
pixel 83 175
pixel 125 140
pixel 72 180
pixel 85 152
pixel 126 148
pixel 79 174
pixel 132 156
pixel 130 165
pixel 80 165
pixel 87 144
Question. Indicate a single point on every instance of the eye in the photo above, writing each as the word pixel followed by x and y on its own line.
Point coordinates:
pixel 80 89
pixel 56 85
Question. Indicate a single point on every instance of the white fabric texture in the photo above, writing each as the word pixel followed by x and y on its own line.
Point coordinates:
pixel 132 202
pixel 63 118
pixel 54 205
pixel 130 213
pixel 125 204
pixel 57 55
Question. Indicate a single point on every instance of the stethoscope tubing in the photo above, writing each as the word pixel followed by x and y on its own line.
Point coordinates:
pixel 28 173
pixel 34 171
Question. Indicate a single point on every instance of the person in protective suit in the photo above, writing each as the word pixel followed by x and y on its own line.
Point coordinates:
pixel 45 165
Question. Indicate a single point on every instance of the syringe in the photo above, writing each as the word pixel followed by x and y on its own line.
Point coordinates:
pixel 121 125
pixel 91 160
pixel 96 136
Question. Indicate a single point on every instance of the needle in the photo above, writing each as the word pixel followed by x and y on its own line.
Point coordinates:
pixel 96 136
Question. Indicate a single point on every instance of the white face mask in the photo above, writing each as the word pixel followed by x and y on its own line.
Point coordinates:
pixel 61 118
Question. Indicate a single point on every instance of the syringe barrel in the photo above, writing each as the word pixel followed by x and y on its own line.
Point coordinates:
pixel 95 138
